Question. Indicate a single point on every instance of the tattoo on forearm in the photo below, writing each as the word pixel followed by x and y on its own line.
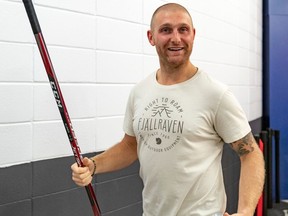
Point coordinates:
pixel 244 145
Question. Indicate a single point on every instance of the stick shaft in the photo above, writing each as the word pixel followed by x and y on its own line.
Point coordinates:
pixel 65 116
pixel 59 97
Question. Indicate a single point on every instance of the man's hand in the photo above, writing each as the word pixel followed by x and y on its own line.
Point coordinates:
pixel 236 214
pixel 82 175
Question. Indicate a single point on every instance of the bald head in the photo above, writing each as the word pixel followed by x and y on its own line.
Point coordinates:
pixel 169 7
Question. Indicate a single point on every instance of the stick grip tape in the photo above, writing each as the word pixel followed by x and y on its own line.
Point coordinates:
pixel 32 16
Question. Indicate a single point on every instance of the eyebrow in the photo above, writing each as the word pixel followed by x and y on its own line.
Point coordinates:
pixel 178 25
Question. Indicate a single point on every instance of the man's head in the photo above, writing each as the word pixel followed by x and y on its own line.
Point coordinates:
pixel 169 6
pixel 172 33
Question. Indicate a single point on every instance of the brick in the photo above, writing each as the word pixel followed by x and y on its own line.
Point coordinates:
pixel 113 102
pixel 70 64
pixel 74 5
pixel 126 68
pixel 123 41
pixel 106 126
pixel 67 28
pixel 16 103
pixel 14 23
pixel 78 99
pixel 16 143
pixel 119 9
pixel 10 70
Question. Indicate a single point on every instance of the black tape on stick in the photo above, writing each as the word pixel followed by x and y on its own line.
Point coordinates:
pixel 32 16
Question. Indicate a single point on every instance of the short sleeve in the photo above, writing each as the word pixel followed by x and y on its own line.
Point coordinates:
pixel 129 115
pixel 230 121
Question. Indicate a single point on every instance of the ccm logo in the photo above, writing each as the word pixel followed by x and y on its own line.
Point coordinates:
pixel 56 94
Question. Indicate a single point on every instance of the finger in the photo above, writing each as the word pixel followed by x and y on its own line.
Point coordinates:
pixel 82 179
pixel 73 166
pixel 85 174
pixel 81 173
pixel 78 170
pixel 81 183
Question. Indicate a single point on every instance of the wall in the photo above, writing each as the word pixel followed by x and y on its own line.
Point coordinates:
pixel 99 51
pixel 276 56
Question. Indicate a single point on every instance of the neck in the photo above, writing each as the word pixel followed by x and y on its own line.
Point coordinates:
pixel 170 76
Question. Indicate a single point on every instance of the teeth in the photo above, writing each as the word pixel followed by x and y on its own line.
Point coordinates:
pixel 175 49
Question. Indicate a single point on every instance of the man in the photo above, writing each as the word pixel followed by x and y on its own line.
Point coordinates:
pixel 176 123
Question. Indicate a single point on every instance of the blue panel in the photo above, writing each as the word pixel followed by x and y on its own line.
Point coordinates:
pixel 278 7
pixel 278 46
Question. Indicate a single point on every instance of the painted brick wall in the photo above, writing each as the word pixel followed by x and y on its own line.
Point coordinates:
pixel 99 51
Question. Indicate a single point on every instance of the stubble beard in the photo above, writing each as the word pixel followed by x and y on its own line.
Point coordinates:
pixel 175 62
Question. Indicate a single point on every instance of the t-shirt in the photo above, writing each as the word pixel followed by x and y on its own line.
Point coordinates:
pixel 180 131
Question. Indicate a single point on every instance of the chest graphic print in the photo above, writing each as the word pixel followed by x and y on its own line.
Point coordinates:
pixel 160 124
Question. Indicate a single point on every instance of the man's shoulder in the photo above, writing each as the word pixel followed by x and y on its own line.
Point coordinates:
pixel 210 83
pixel 146 82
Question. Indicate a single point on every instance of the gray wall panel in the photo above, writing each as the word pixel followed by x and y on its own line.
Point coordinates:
pixel 72 203
pixel 23 208
pixel 15 183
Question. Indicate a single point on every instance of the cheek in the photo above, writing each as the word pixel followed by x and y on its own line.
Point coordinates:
pixel 162 43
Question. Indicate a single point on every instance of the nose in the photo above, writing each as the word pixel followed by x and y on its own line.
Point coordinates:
pixel 175 37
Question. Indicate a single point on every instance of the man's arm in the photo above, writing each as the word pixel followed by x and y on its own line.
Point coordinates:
pixel 117 157
pixel 252 174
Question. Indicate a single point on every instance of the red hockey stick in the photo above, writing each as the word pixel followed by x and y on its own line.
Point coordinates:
pixel 58 97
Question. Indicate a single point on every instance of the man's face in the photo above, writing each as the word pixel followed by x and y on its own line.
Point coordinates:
pixel 172 34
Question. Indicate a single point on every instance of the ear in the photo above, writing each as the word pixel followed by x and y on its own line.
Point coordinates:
pixel 150 37
pixel 194 32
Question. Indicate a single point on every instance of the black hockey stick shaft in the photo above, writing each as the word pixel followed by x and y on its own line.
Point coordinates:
pixel 58 97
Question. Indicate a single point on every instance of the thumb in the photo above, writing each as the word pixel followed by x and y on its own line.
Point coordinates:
pixel 86 161
pixel 89 164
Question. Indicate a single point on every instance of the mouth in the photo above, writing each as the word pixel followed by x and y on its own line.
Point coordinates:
pixel 175 49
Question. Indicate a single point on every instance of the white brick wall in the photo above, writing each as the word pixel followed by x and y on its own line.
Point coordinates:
pixel 99 51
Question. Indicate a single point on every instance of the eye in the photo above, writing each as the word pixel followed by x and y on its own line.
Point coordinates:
pixel 183 29
pixel 165 30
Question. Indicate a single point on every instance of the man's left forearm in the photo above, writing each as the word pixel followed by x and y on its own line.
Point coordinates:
pixel 252 174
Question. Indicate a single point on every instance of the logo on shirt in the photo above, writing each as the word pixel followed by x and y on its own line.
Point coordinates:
pixel 161 125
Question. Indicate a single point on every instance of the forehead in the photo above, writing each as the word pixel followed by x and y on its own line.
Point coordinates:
pixel 171 16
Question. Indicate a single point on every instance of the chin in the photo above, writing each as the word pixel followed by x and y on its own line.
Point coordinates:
pixel 177 62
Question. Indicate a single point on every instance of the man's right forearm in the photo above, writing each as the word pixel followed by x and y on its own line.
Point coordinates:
pixel 118 156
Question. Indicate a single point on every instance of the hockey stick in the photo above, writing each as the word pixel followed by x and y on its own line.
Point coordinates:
pixel 58 97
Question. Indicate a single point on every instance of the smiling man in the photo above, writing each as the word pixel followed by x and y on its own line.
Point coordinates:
pixel 176 123
pixel 172 33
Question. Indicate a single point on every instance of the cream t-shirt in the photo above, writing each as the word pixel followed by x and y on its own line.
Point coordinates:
pixel 180 131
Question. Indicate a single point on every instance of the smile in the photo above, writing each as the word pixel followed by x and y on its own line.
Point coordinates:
pixel 175 48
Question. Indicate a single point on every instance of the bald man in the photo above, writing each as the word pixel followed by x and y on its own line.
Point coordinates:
pixel 176 123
